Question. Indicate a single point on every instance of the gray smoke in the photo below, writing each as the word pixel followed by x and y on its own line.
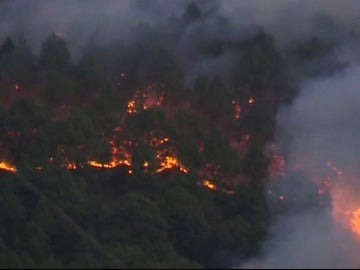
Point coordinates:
pixel 105 21
pixel 225 22
pixel 321 126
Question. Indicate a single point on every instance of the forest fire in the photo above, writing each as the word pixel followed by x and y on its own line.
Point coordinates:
pixel 124 138
pixel 165 157
pixel 332 181
pixel 143 100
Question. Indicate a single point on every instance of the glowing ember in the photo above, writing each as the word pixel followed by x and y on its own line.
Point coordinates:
pixel 71 166
pixel 208 184
pixel 251 100
pixel 131 107
pixel 355 222
pixel 7 167
pixel 112 164
pixel 164 140
pixel 237 109
pixel 144 99
pixel 96 164
pixel 171 162
pixel 17 86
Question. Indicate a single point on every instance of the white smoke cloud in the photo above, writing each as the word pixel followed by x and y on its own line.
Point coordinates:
pixel 320 129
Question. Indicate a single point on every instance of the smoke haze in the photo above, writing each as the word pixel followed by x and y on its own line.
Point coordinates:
pixel 320 126
pixel 112 21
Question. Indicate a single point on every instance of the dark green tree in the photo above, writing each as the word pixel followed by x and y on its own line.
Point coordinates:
pixel 7 47
pixel 54 53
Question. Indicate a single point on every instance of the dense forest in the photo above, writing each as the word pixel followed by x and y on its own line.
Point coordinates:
pixel 116 160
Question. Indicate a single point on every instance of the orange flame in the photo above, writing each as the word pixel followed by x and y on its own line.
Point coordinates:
pixel 355 222
pixel 7 167
pixel 71 166
pixel 170 162
pixel 131 107
pixel 208 184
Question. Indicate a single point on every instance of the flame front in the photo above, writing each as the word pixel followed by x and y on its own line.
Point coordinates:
pixel 7 167
pixel 166 153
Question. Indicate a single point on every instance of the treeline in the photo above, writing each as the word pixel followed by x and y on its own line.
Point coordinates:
pixel 55 112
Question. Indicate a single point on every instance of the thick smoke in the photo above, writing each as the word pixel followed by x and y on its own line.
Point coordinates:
pixel 319 129
pixel 105 21
pixel 222 22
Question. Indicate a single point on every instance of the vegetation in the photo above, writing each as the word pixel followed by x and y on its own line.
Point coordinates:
pixel 119 164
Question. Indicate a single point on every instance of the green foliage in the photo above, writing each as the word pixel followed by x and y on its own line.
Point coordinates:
pixel 262 72
pixel 81 139
pixel 260 124
pixel 145 220
pixel 188 227
pixel 61 89
pixel 25 131
pixel 12 214
pixel 212 95
pixel 139 220
pixel 255 165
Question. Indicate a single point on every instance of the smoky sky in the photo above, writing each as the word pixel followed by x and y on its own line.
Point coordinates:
pixel 223 24
pixel 109 21
pixel 106 21
pixel 323 121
